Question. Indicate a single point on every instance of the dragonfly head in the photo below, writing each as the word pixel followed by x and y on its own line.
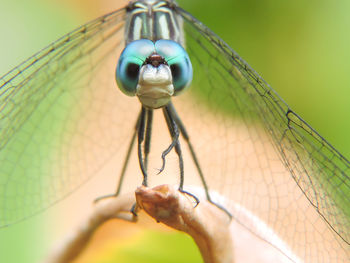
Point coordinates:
pixel 153 71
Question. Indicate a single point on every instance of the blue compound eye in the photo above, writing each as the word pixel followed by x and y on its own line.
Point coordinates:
pixel 178 61
pixel 130 62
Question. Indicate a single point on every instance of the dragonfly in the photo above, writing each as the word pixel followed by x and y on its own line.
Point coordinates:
pixel 63 119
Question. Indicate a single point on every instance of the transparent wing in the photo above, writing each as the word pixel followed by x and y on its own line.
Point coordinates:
pixel 262 157
pixel 53 110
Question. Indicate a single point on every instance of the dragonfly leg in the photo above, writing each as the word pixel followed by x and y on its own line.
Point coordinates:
pixel 176 118
pixel 127 158
pixel 125 164
pixel 174 132
pixel 148 133
pixel 144 130
pixel 141 137
pixel 175 138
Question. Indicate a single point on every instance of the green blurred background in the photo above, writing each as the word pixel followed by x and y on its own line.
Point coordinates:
pixel 301 48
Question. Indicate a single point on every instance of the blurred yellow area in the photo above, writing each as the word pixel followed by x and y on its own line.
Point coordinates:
pixel 146 241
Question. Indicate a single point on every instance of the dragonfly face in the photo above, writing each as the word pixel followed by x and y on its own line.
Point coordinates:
pixel 153 71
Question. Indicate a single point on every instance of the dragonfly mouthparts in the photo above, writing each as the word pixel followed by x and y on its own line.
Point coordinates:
pixel 155 86
pixel 155 60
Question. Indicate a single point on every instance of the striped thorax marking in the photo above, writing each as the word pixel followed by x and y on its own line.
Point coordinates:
pixel 153 20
